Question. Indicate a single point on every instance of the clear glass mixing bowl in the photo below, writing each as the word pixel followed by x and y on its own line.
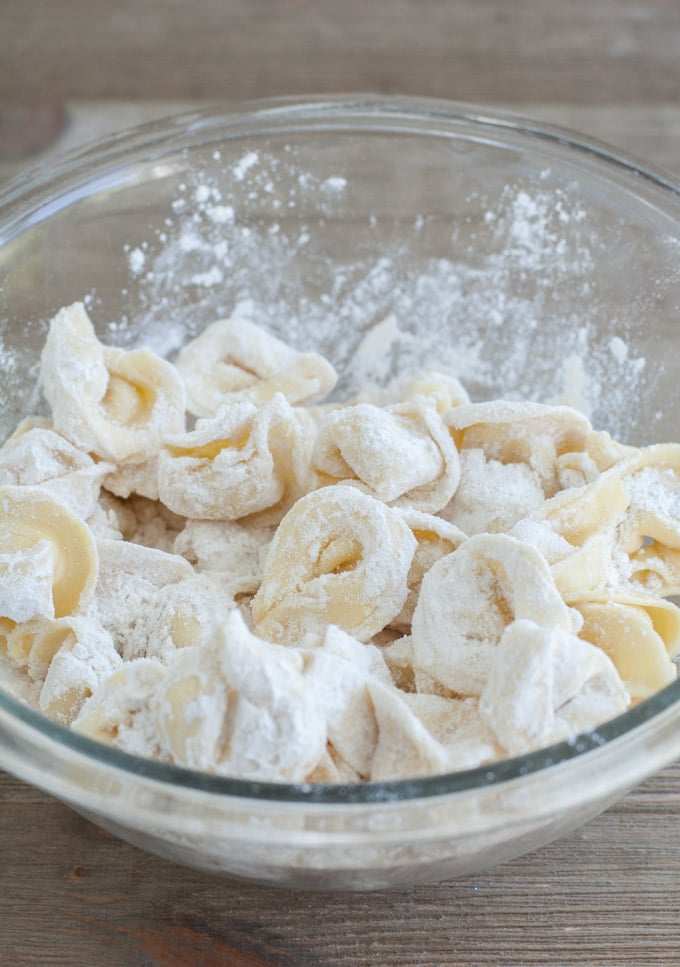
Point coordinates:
pixel 385 233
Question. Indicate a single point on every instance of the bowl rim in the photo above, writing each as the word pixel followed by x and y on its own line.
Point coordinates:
pixel 627 725
pixel 252 117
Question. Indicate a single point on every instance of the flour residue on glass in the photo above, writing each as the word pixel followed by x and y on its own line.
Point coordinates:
pixel 500 303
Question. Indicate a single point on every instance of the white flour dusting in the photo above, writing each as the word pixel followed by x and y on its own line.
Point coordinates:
pixel 495 311
pixel 136 260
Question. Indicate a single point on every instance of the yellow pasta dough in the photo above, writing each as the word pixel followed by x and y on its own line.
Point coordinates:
pixel 33 522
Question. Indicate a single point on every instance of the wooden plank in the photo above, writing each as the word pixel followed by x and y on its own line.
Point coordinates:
pixel 584 52
pixel 607 894
pixel 13 790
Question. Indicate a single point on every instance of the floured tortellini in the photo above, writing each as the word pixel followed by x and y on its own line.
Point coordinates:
pixel 402 454
pixel 237 706
pixel 48 558
pixel 575 531
pixel 640 633
pixel 85 658
pixel 468 598
pixel 120 711
pixel 339 672
pixel 513 432
pixel 545 685
pixel 299 589
pixel 34 644
pixel 404 745
pixel 64 658
pixel 39 457
pixel 276 725
pixel 338 557
pixel 442 389
pixel 153 603
pixel 621 529
pixel 107 401
pixel 243 461
pixel 423 734
pixel 649 534
pixel 233 359
pixel 193 683
pixel 491 495
pixel 580 467
pixel 435 538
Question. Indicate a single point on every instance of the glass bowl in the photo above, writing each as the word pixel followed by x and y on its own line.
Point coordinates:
pixel 384 233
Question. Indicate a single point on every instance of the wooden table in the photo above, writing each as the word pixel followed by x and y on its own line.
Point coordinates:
pixel 73 895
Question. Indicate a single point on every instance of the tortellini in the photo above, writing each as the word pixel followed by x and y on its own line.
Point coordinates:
pixel 423 734
pixel 467 600
pixel 299 589
pixel 641 635
pixel 338 557
pixel 575 531
pixel 120 711
pixel 340 672
pixel 106 401
pixel 48 558
pixel 233 359
pixel 39 457
pixel 440 389
pixel 263 723
pixel 491 495
pixel 245 460
pixel 153 603
pixel 403 454
pixel 435 538
pixel 85 657
pixel 650 532
pixel 621 529
pixel 530 433
pixel 546 685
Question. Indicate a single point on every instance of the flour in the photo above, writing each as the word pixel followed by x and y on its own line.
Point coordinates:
pixel 655 491
pixel 228 548
pixel 136 260
pixel 480 316
pixel 492 496
pixel 618 348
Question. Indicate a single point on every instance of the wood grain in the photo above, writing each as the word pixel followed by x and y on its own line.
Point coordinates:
pixel 607 894
pixel 583 52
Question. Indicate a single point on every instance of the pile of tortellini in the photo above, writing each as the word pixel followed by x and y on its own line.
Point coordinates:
pixel 284 589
